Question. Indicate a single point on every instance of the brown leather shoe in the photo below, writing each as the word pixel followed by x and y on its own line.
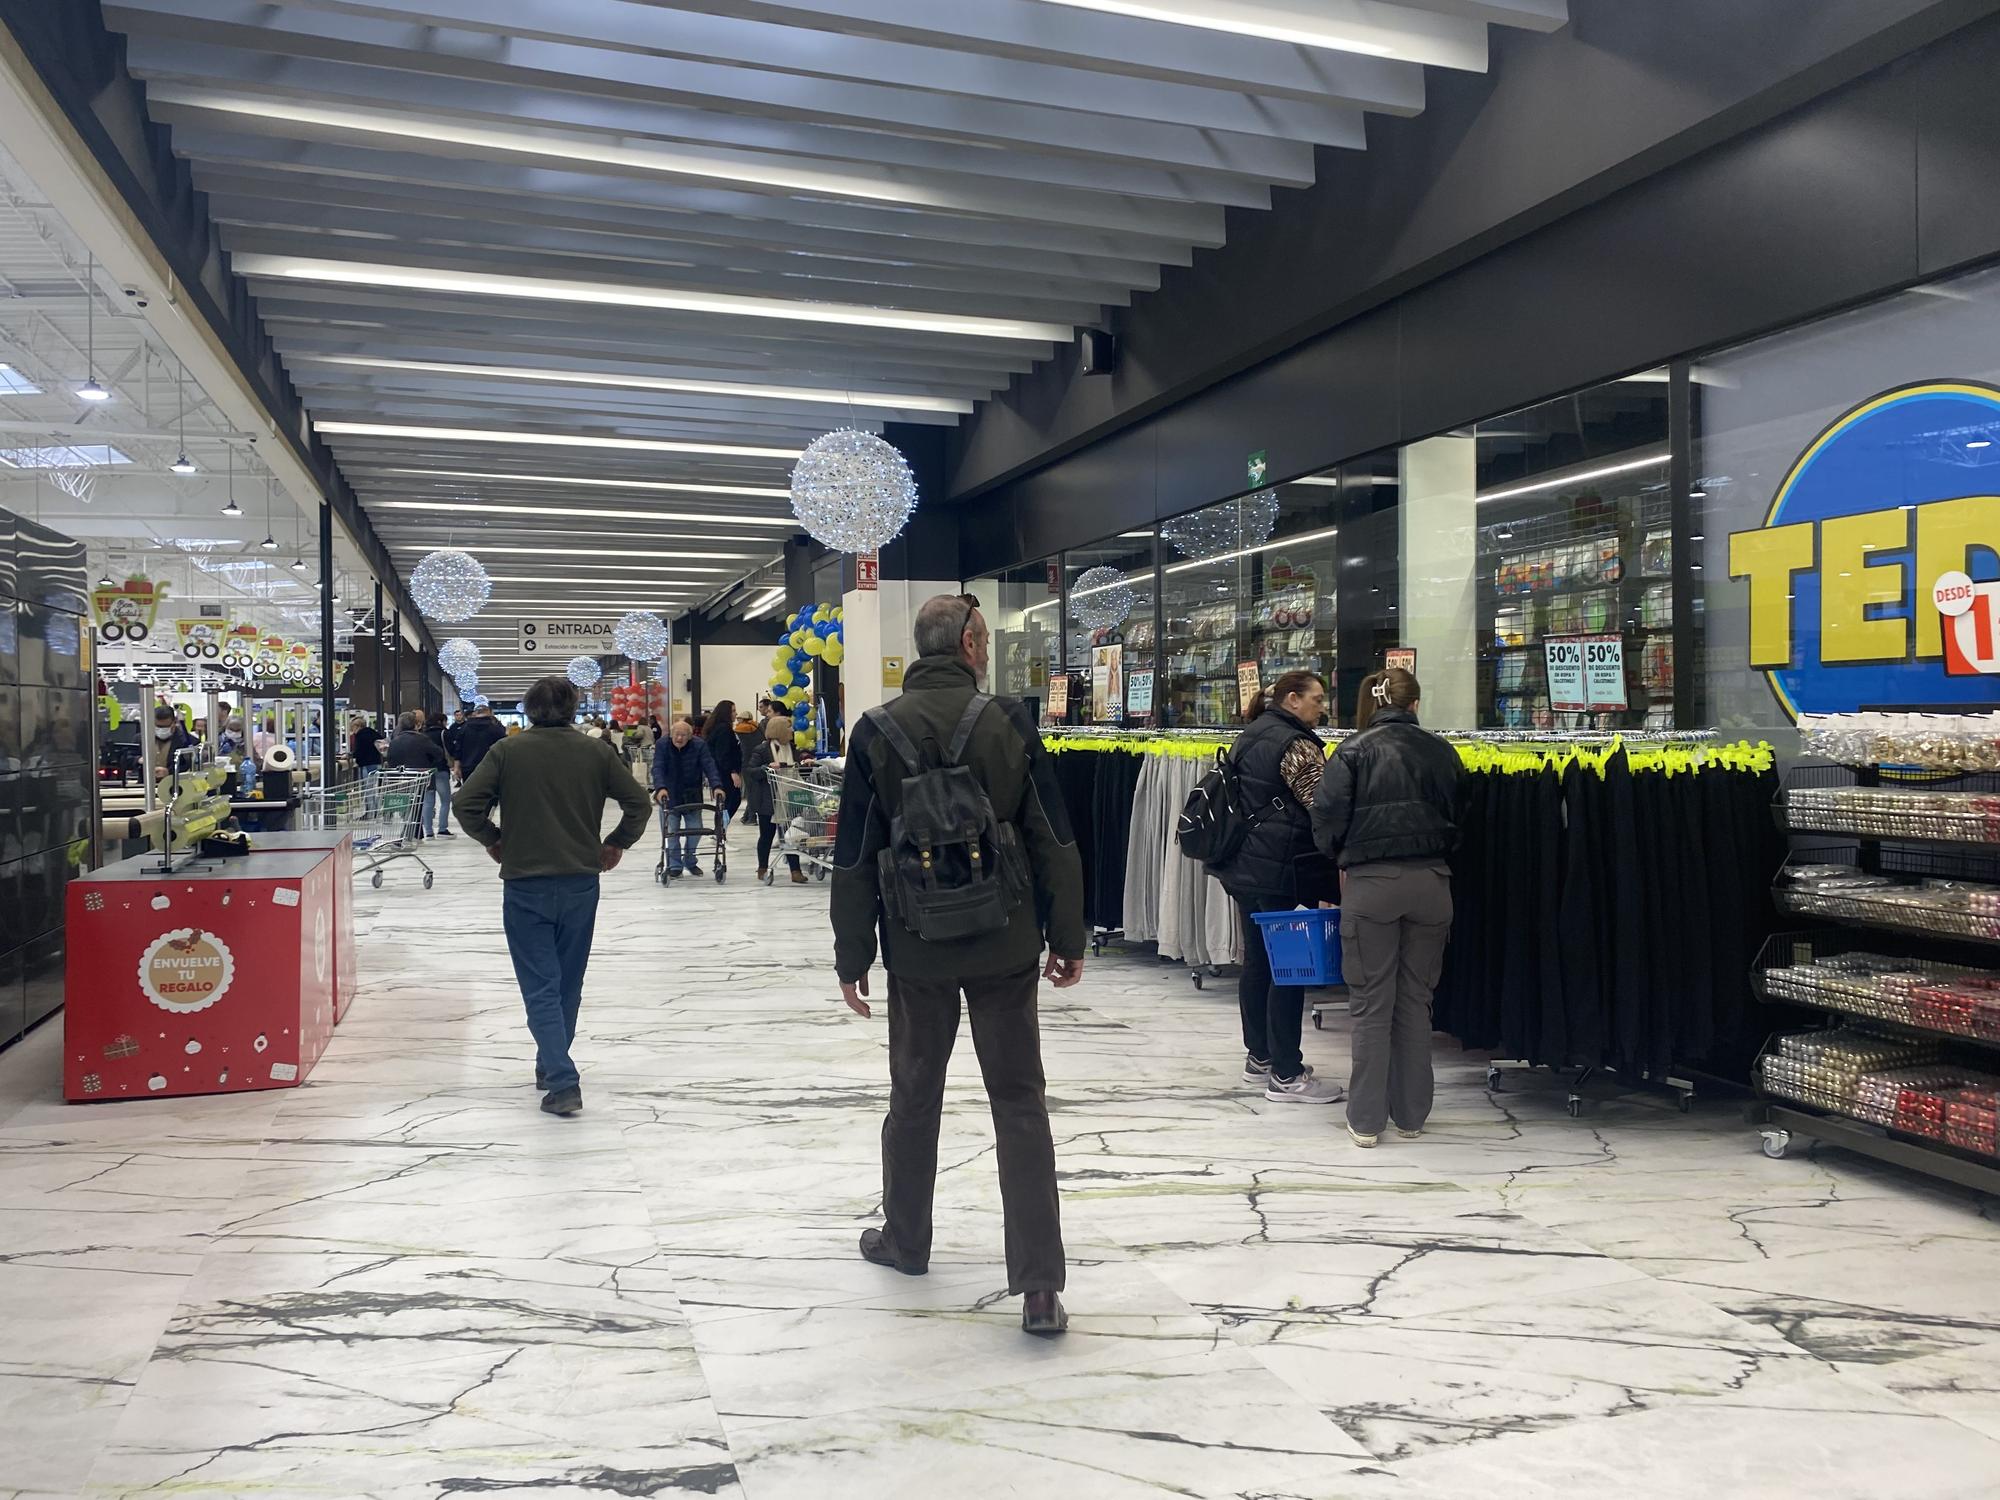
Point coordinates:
pixel 875 1249
pixel 1042 1313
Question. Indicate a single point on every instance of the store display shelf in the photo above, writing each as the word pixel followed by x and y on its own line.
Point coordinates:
pixel 1969 820
pixel 1784 1120
pixel 1896 913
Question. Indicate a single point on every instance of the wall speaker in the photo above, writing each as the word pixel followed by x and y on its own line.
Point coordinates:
pixel 1100 351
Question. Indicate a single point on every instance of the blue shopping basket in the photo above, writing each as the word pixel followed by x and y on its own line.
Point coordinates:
pixel 1304 945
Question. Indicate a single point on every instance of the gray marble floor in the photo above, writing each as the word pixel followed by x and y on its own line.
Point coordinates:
pixel 402 1280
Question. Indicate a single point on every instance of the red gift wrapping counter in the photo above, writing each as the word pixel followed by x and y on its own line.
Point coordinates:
pixel 341 843
pixel 215 979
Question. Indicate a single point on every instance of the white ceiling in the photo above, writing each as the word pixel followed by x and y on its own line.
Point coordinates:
pixel 627 257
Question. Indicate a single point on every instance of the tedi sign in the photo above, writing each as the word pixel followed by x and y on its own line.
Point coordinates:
pixel 1884 535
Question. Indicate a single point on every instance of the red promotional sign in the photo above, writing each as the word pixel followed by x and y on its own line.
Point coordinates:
pixel 1971 624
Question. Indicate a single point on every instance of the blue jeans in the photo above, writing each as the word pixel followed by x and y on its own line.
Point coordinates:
pixel 436 814
pixel 681 826
pixel 370 778
pixel 549 920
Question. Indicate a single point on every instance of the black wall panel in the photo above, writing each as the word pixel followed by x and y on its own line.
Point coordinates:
pixel 1826 206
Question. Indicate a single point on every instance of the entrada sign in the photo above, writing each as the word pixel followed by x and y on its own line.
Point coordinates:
pixel 1899 492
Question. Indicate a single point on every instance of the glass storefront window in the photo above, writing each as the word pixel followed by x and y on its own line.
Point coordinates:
pixel 1249 591
pixel 1020 608
pixel 1574 562
pixel 1839 470
pixel 1108 632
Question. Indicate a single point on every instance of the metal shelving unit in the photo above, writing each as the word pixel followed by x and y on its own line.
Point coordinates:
pixel 1876 837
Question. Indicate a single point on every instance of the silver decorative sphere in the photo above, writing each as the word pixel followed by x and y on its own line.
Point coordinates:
pixel 852 491
pixel 1246 521
pixel 459 657
pixel 1100 598
pixel 466 685
pixel 640 636
pixel 450 586
pixel 583 671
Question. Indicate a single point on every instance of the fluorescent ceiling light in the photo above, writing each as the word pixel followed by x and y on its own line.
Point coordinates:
pixel 561 145
pixel 546 439
pixel 804 393
pixel 86 456
pixel 771 600
pixel 584 552
pixel 1331 481
pixel 1267 21
pixel 622 583
pixel 743 546
pixel 1580 476
pixel 664 299
pixel 789 523
pixel 1283 541
pixel 14 383
pixel 762 492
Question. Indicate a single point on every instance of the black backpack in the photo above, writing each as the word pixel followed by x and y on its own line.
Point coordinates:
pixel 1214 823
pixel 952 870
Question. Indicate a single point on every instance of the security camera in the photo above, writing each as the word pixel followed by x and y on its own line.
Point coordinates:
pixel 138 297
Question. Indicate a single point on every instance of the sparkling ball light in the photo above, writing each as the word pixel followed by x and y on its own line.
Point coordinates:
pixel 583 671
pixel 459 656
pixel 1100 598
pixel 1246 521
pixel 450 586
pixel 640 636
pixel 852 491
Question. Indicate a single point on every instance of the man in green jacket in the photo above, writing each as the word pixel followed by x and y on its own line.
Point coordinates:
pixel 997 971
pixel 552 784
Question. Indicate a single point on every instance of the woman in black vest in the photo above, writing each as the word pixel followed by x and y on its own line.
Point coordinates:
pixel 1279 761
pixel 1388 809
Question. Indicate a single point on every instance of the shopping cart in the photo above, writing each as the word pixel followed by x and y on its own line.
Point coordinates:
pixel 385 815
pixel 806 804
pixel 714 834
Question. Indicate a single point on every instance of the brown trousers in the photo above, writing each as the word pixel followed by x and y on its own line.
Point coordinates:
pixel 1006 1032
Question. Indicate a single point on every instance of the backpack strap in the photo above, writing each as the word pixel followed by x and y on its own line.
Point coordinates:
pixel 962 735
pixel 898 738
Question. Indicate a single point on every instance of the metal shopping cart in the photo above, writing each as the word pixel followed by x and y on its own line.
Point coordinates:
pixel 712 831
pixel 385 815
pixel 806 802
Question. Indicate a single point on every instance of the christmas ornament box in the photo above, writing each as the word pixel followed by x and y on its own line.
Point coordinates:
pixel 218 978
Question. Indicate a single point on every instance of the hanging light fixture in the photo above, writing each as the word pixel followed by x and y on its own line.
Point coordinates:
pixel 583 671
pixel 1100 598
pixel 270 542
pixel 90 390
pixel 640 636
pixel 232 509
pixel 107 582
pixel 1246 521
pixel 459 656
pixel 182 464
pixel 852 491
pixel 450 586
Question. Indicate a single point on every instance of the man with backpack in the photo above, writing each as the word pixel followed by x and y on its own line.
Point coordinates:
pixel 955 843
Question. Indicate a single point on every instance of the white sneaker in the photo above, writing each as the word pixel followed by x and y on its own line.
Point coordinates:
pixel 1407 1135
pixel 1255 1072
pixel 1365 1142
pixel 1305 1089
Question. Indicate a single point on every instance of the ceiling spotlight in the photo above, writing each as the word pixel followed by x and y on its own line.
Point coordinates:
pixel 90 390
pixel 184 465
pixel 270 543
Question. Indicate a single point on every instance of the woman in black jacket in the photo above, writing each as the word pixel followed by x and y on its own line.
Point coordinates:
pixel 773 750
pixel 1278 761
pixel 1388 811
pixel 720 732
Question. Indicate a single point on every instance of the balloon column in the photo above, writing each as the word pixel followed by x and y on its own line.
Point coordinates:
pixel 815 633
pixel 633 703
